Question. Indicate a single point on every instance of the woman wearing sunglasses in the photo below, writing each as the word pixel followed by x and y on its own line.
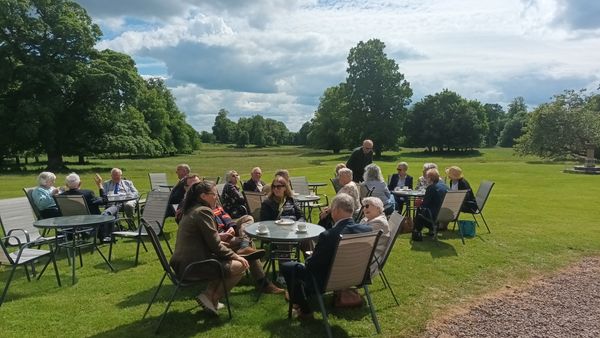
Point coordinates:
pixel 375 217
pixel 280 202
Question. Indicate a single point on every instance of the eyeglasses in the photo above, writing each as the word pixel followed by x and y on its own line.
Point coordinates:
pixel 366 206
pixel 277 186
pixel 399 168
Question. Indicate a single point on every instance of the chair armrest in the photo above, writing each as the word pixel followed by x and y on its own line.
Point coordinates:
pixel 22 230
pixel 192 265
pixel 6 238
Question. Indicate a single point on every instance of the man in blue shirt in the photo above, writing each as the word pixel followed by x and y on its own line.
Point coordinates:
pixel 432 202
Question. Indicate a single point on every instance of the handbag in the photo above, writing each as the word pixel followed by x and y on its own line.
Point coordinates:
pixel 407 225
pixel 467 228
pixel 347 298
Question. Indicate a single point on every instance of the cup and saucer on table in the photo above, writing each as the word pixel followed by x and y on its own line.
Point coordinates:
pixel 301 228
pixel 285 221
pixel 262 229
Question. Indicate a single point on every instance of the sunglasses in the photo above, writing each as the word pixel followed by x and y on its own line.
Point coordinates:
pixel 277 186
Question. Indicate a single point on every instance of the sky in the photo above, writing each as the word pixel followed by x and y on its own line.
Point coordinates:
pixel 277 57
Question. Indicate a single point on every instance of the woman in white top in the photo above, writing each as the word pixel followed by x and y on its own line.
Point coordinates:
pixel 374 179
pixel 375 217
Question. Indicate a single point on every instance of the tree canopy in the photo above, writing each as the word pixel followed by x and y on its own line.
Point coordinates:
pixel 250 130
pixel 61 96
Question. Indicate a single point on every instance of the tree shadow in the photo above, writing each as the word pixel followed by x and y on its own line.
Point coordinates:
pixel 443 154
pixel 285 327
pixel 438 249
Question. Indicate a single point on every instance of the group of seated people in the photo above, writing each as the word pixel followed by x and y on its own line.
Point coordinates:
pixel 43 196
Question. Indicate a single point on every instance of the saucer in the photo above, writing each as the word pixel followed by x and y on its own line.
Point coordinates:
pixel 262 232
pixel 285 222
pixel 301 231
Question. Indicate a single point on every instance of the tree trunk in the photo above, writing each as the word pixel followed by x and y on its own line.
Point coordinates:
pixel 37 159
pixel 336 151
pixel 81 159
pixel 55 161
pixel 17 160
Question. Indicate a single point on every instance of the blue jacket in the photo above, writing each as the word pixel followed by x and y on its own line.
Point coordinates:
pixel 434 196
pixel 319 263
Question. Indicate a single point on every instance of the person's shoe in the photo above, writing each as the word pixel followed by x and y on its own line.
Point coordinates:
pixel 107 239
pixel 220 306
pixel 249 253
pixel 271 288
pixel 417 237
pixel 297 313
pixel 206 304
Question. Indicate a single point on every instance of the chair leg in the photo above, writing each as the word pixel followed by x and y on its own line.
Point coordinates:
pixel 372 308
pixel 137 250
pixel 484 222
pixel 226 294
pixel 460 231
pixel 167 308
pixel 26 272
pixel 112 238
pixel 44 268
pixel 291 293
pixel 154 295
pixel 56 270
pixel 10 276
pixel 322 306
pixel 167 241
pixel 383 276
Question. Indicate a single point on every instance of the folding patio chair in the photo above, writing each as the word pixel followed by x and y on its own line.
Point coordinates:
pixel 300 185
pixel 36 211
pixel 158 181
pixel 181 281
pixel 349 268
pixel 449 211
pixel 22 257
pixel 335 182
pixel 394 223
pixel 16 219
pixel 254 203
pixel 154 215
pixel 481 197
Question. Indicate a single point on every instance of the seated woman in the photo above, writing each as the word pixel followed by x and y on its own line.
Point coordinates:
pixel 198 239
pixel 398 181
pixel 347 187
pixel 458 182
pixel 43 194
pixel 280 203
pixel 232 199
pixel 375 217
pixel 374 179
pixel 422 182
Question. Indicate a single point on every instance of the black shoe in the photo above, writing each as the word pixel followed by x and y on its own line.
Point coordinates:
pixel 417 237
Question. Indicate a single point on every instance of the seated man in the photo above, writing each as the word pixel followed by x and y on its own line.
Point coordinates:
pixel 347 187
pixel 178 190
pixel 432 202
pixel 73 183
pixel 319 264
pixel 116 185
pixel 254 183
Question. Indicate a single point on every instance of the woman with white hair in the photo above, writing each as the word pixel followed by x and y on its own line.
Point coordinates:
pixel 373 179
pixel 232 198
pixel 422 183
pixel 375 217
pixel 43 195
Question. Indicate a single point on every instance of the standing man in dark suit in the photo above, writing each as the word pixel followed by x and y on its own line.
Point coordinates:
pixel 359 159
pixel 254 183
pixel 432 202
pixel 73 183
pixel 178 191
pixel 398 181
pixel 319 264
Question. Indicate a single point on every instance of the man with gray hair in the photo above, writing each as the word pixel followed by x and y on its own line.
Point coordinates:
pixel 359 159
pixel 182 170
pixel 73 183
pixel 319 264
pixel 116 185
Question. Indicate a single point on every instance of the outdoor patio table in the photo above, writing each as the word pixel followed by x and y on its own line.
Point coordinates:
pixel 121 199
pixel 304 201
pixel 279 232
pixel 314 186
pixel 412 196
pixel 73 223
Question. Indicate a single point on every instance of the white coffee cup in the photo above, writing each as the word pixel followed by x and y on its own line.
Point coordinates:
pixel 262 227
pixel 302 227
pixel 405 187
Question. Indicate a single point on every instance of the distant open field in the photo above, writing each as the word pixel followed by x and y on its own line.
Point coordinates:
pixel 541 219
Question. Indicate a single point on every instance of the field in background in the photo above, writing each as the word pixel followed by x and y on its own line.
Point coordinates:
pixel 541 219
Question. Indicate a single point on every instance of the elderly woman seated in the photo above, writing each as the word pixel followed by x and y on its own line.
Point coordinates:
pixel 43 194
pixel 232 199
pixel 347 187
pixel 459 182
pixel 375 217
pixel 373 179
pixel 198 239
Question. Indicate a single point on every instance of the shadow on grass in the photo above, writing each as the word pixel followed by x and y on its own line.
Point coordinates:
pixel 443 154
pixel 314 328
pixel 438 249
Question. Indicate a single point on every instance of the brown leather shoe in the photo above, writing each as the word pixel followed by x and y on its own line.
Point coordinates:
pixel 271 288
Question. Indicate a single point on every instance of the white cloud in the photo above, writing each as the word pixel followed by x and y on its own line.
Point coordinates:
pixel 276 57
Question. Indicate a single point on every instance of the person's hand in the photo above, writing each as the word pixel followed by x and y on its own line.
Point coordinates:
pixel 243 261
pixel 230 231
pixel 98 180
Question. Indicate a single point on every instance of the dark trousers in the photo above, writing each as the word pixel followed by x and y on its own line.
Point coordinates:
pixel 302 286
pixel 422 220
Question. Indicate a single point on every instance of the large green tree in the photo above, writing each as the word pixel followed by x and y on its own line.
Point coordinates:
pixel 495 116
pixel 446 121
pixel 516 119
pixel 562 128
pixel 224 129
pixel 377 96
pixel 329 124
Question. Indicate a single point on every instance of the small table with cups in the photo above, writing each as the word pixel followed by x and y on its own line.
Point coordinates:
pixel 121 199
pixel 412 195
pixel 284 231
pixel 305 201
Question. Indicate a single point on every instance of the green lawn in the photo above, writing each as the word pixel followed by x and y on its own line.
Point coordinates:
pixel 541 219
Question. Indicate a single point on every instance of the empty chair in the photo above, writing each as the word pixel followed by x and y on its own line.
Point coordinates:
pixel 16 219
pixel 158 181
pixel 481 197
pixel 23 257
pixel 180 282
pixel 349 268
pixel 394 223
pixel 300 185
pixel 154 215
pixel 72 205
pixel 254 203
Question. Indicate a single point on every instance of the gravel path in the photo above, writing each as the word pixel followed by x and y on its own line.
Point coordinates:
pixel 563 305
